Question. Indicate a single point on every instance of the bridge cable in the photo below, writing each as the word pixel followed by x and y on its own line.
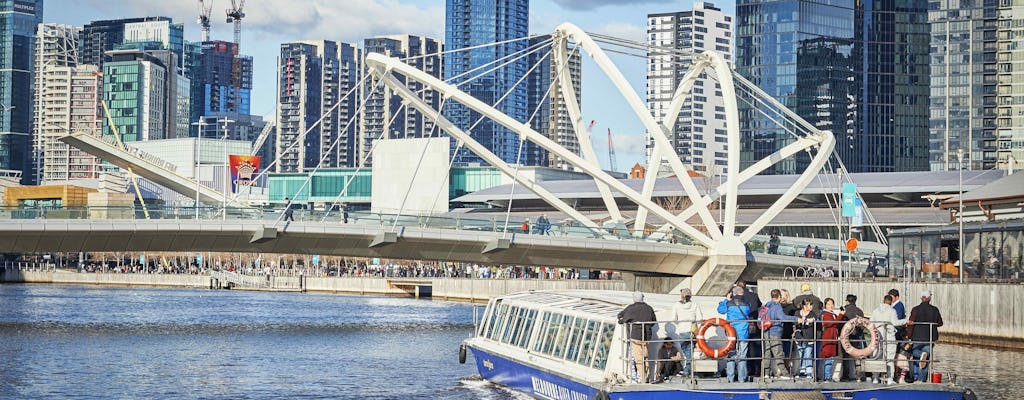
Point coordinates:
pixel 526 52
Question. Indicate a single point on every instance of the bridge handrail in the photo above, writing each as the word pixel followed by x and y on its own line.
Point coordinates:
pixel 210 212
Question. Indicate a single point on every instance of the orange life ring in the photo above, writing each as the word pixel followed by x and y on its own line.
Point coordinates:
pixel 844 337
pixel 730 333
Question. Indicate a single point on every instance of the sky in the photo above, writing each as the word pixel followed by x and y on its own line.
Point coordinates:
pixel 268 23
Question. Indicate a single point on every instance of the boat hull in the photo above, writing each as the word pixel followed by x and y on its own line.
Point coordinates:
pixel 545 385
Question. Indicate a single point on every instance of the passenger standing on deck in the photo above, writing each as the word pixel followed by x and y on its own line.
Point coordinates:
pixel 773 362
pixel 786 301
pixel 851 311
pixel 830 324
pixel 804 332
pixel 884 316
pixel 754 350
pixel 807 294
pixel 639 320
pixel 736 311
pixel 923 330
pixel 901 313
pixel 687 316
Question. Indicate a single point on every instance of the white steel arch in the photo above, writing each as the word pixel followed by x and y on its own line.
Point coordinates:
pixel 724 242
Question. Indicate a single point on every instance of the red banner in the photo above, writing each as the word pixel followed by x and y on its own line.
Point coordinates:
pixel 244 170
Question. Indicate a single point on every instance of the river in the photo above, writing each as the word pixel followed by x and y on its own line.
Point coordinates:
pixel 81 342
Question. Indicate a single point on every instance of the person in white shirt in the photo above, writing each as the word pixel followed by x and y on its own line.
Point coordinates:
pixel 884 316
pixel 687 316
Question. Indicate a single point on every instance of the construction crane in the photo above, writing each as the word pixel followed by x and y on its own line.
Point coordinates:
pixel 611 153
pixel 235 16
pixel 204 18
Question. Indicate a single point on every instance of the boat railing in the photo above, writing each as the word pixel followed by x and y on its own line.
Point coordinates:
pixel 888 359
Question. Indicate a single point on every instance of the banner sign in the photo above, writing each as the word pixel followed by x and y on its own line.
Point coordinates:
pixel 858 213
pixel 243 170
pixel 849 194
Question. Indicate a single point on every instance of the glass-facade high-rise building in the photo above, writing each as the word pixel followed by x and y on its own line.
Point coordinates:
pixel 134 88
pixel 479 22
pixel 977 84
pixel 99 37
pixel 18 21
pixel 856 68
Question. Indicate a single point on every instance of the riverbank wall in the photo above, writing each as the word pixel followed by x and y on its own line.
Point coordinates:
pixel 982 314
pixel 453 289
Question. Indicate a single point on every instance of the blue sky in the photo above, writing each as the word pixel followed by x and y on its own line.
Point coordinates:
pixel 269 23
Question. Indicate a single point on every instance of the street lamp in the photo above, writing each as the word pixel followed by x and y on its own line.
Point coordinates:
pixel 227 170
pixel 960 212
pixel 195 170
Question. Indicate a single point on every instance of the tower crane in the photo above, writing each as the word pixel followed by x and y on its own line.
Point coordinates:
pixel 235 16
pixel 204 18
pixel 611 153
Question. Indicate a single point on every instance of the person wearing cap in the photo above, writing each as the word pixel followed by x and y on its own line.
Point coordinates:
pixel 736 310
pixel 807 294
pixel 923 331
pixel 687 316
pixel 668 360
pixel 639 319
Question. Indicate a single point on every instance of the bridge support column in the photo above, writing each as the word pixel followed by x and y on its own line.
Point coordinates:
pixel 712 279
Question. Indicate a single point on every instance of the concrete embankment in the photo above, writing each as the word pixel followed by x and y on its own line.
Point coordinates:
pixel 977 313
pixel 455 289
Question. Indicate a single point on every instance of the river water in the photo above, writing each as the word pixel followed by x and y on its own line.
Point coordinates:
pixel 61 342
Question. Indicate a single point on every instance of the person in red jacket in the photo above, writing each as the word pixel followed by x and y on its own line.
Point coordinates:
pixel 831 322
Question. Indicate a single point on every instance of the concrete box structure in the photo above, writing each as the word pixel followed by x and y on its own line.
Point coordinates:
pixel 68 195
pixel 407 174
pixel 111 205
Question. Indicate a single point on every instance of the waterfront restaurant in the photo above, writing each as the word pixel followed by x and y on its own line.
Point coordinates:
pixel 993 236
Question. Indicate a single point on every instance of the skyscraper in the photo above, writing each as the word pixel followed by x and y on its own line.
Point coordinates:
pixel 546 104
pixel 17 40
pixel 479 22
pixel 383 104
pixel 699 134
pixel 977 97
pixel 312 77
pixel 856 68
pixel 66 101
pixel 135 90
pixel 99 37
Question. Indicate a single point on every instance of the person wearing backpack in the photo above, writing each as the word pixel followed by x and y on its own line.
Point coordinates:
pixel 770 319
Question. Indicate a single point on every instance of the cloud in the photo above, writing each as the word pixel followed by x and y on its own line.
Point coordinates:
pixel 350 20
pixel 587 5
pixel 624 30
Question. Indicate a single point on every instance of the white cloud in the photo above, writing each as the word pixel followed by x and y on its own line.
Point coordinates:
pixel 350 20
pixel 586 5
pixel 624 30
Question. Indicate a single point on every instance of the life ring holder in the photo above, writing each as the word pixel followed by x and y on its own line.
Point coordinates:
pixel 730 333
pixel 844 337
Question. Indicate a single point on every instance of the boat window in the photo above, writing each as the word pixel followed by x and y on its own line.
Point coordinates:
pixel 527 328
pixel 513 325
pixel 558 350
pixel 489 319
pixel 573 344
pixel 556 324
pixel 604 343
pixel 499 321
pixel 586 353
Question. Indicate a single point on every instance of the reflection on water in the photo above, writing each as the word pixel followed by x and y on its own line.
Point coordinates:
pixel 60 342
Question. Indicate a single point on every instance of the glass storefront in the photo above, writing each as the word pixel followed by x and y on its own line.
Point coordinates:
pixel 991 251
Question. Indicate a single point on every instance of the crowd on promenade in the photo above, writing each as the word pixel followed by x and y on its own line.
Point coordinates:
pixel 787 338
pixel 355 268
